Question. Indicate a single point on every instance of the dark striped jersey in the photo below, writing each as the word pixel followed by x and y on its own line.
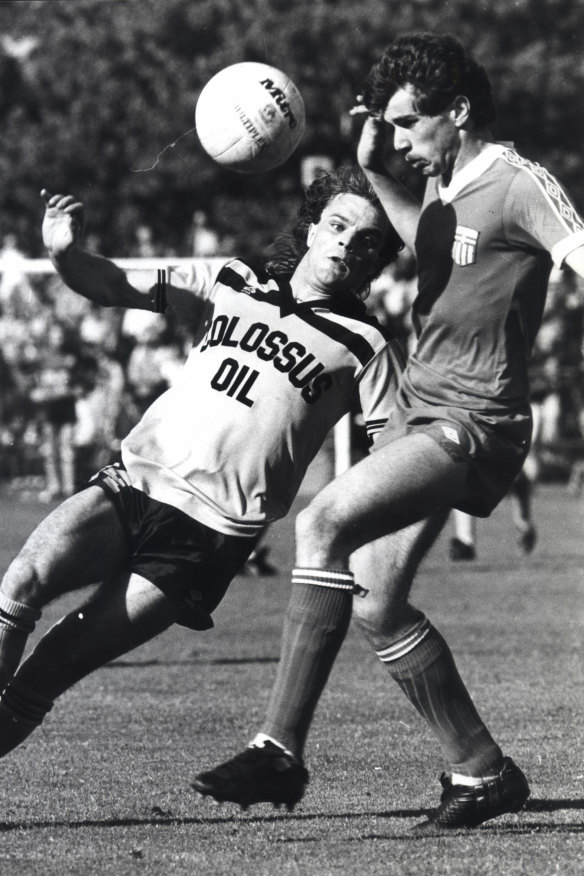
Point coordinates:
pixel 266 379
pixel 485 246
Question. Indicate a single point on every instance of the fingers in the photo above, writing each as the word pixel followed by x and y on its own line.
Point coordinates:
pixel 62 203
pixel 361 110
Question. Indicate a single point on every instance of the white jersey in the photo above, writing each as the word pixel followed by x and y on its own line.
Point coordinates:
pixel 267 378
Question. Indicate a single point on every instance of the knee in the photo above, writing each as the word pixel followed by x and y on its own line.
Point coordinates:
pixel 22 582
pixel 317 537
pixel 305 525
pixel 382 621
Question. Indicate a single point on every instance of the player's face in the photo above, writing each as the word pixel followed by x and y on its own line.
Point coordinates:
pixel 429 143
pixel 344 245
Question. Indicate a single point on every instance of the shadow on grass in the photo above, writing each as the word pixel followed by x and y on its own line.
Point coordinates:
pixel 536 563
pixel 159 818
pixel 143 664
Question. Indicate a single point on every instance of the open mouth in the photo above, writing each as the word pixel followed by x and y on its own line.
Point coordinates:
pixel 340 264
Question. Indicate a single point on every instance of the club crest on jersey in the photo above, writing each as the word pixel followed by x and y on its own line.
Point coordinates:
pixel 464 248
pixel 451 434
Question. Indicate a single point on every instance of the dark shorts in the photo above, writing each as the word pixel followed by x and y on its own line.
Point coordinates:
pixel 60 411
pixel 493 447
pixel 192 564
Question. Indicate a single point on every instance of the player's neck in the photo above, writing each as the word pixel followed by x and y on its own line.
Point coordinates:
pixel 304 290
pixel 471 145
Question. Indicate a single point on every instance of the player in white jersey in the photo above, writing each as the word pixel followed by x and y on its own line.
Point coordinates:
pixel 485 237
pixel 280 353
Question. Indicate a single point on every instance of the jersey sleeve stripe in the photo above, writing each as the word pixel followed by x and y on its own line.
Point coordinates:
pixel 158 302
pixel 551 190
pixel 372 427
pixel 228 277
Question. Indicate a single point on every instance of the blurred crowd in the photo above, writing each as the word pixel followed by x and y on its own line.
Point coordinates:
pixel 74 377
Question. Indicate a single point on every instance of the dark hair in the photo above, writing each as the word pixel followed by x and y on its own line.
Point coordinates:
pixel 439 68
pixel 289 247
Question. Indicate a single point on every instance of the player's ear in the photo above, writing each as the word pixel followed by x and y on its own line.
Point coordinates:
pixel 311 233
pixel 460 110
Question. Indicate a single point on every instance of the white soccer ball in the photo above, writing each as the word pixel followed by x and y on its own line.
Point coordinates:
pixel 250 117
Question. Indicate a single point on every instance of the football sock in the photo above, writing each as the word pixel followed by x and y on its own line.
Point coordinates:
pixel 82 642
pixel 79 643
pixel 21 711
pixel 522 490
pixel 423 666
pixel 260 740
pixel 315 625
pixel 17 621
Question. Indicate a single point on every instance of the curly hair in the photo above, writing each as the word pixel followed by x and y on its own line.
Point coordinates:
pixel 439 68
pixel 288 248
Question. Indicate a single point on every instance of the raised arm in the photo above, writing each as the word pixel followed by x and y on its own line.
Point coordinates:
pixel 90 275
pixel 400 205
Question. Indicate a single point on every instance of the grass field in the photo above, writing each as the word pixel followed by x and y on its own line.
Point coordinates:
pixel 103 786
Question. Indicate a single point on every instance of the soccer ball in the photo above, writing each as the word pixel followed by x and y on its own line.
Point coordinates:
pixel 250 117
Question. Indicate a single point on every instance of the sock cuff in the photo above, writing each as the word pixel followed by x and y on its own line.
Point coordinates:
pixel 260 740
pixel 23 616
pixel 334 579
pixel 413 652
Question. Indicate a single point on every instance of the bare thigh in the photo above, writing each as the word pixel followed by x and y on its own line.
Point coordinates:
pixel 139 604
pixel 403 483
pixel 81 542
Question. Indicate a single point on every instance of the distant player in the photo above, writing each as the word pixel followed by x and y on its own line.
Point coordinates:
pixel 490 226
pixel 281 352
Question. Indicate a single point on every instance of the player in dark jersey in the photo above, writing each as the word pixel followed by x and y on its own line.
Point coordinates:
pixel 485 237
pixel 280 353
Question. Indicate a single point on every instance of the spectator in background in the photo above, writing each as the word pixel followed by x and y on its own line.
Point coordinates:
pixel 546 362
pixel 99 407
pixel 10 417
pixel 68 309
pixel 463 545
pixel 391 298
pixel 154 361
pixel 206 241
pixel 17 297
pixel 145 247
pixel 54 394
pixel 19 424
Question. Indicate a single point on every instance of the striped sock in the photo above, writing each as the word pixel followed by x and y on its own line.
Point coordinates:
pixel 316 621
pixel 423 666
pixel 17 621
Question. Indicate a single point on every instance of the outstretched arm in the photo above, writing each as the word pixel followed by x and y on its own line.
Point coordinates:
pixel 90 275
pixel 400 205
